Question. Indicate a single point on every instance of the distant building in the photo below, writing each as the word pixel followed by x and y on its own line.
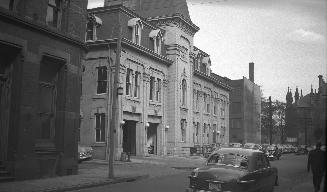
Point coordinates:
pixel 41 51
pixel 305 118
pixel 160 69
pixel 245 110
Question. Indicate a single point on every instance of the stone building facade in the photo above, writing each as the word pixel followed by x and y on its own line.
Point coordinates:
pixel 157 55
pixel 245 110
pixel 41 51
pixel 305 118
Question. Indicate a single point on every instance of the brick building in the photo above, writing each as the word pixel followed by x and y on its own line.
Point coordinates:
pixel 41 50
pixel 305 118
pixel 156 74
pixel 245 110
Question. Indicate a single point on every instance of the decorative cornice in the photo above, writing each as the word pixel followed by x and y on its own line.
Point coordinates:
pixel 186 25
pixel 213 80
pixel 130 44
pixel 42 28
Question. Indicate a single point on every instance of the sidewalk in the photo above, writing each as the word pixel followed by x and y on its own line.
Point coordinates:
pixel 307 186
pixel 95 173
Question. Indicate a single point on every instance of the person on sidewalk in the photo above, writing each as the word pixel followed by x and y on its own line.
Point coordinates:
pixel 316 161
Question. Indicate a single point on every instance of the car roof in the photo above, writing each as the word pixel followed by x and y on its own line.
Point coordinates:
pixel 241 151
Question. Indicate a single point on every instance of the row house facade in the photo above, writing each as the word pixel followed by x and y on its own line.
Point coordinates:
pixel 156 75
pixel 41 51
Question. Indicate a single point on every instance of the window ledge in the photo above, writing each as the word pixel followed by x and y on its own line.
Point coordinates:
pixel 131 98
pixel 99 96
pixel 158 103
pixel 98 144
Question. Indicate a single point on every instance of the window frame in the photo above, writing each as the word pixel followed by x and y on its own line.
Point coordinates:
pixel 101 128
pixel 102 83
pixel 56 13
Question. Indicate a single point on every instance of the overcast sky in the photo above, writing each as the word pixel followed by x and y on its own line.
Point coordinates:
pixel 286 39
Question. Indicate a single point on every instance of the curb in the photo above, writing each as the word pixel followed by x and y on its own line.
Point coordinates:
pixel 95 184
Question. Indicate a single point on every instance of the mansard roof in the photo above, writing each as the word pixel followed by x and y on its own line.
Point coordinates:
pixel 156 8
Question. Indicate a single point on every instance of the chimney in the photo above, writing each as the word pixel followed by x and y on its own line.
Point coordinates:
pixel 251 71
pixel 320 83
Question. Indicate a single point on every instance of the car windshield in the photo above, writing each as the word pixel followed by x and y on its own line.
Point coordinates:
pixel 229 159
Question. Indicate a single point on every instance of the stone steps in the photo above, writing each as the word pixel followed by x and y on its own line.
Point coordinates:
pixel 4 174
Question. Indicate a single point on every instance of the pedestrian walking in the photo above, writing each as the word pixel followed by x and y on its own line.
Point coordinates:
pixel 316 161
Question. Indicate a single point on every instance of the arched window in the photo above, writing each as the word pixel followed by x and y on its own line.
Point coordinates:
pixel 184 92
pixel 156 36
pixel 92 24
pixel 136 25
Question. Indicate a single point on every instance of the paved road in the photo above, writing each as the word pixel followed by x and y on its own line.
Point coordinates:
pixel 292 172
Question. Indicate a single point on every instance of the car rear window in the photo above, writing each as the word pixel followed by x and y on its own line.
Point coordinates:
pixel 229 159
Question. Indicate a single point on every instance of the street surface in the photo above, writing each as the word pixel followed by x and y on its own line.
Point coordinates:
pixel 163 177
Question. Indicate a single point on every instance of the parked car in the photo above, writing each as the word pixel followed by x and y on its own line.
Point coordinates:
pixel 273 152
pixel 234 169
pixel 252 146
pixel 301 150
pixel 84 153
pixel 235 145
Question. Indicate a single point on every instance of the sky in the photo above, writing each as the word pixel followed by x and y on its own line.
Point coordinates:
pixel 286 40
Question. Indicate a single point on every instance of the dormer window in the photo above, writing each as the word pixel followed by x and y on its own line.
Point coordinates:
pixel 93 23
pixel 203 68
pixel 53 17
pixel 156 36
pixel 137 26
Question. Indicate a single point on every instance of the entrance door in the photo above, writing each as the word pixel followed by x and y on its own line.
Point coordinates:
pixel 152 141
pixel 129 137
pixel 7 58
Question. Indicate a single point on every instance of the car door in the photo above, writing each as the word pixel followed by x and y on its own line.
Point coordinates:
pixel 262 172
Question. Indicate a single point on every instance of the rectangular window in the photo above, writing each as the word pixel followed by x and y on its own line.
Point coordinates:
pixel 129 82
pixel 102 80
pixel 90 31
pixel 215 106
pixel 152 81
pixel 197 100
pixel 208 104
pixel 53 13
pixel 137 34
pixel 48 78
pixel 100 127
pixel 136 84
pixel 183 130
pixel 204 102
pixel 158 92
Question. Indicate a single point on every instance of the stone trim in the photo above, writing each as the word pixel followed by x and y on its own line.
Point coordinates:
pixel 213 80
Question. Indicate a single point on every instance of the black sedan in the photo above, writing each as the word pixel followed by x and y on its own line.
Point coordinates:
pixel 233 170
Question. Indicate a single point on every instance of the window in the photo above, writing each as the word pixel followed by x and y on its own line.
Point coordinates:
pixel 197 100
pixel 136 25
pixel 236 123
pixel 8 4
pixel 204 102
pixel 194 99
pixel 184 92
pixel 183 130
pixel 215 106
pixel 90 31
pixel 152 81
pixel 53 13
pixel 208 104
pixel 102 80
pixel 203 68
pixel 214 135
pixel 222 112
pixel 195 64
pixel 136 84
pixel 158 92
pixel 49 71
pixel 197 132
pixel 129 82
pixel 100 127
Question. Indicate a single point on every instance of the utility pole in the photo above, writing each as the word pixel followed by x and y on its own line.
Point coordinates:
pixel 270 121
pixel 115 105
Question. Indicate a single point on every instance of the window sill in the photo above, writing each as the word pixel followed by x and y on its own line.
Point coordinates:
pixel 136 99
pixel 98 144
pixel 99 96
pixel 158 103
pixel 184 108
